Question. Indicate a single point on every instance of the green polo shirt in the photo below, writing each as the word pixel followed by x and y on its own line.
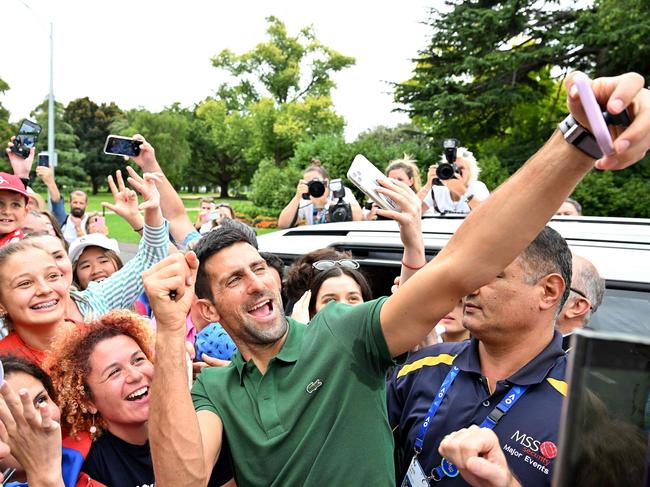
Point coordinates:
pixel 318 415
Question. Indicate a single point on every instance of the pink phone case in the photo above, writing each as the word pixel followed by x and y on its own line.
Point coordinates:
pixel 594 114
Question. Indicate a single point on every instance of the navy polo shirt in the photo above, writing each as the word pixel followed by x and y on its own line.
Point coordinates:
pixel 528 433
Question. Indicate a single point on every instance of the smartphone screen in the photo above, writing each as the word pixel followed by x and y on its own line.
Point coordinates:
pixel 26 138
pixel 122 146
pixel 44 159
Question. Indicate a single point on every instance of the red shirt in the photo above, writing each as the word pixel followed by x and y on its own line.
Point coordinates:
pixel 11 237
pixel 12 344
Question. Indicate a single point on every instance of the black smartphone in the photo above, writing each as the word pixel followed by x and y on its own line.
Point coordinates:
pixel 44 159
pixel 26 138
pixel 122 146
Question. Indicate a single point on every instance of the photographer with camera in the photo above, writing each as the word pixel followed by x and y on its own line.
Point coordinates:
pixel 319 200
pixel 453 186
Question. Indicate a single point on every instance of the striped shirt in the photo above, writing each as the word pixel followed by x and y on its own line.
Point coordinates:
pixel 122 288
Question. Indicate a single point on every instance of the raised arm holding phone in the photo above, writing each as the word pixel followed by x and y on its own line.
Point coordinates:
pixel 236 289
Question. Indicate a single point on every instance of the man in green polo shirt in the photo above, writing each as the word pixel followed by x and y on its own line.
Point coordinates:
pixel 306 405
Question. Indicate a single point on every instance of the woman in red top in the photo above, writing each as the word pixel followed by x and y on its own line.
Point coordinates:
pixel 33 295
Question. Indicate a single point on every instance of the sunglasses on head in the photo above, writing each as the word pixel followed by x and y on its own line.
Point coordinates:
pixel 323 265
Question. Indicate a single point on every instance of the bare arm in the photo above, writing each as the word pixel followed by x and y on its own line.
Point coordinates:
pixel 170 203
pixel 357 213
pixel 288 214
pixel 184 445
pixel 409 220
pixel 45 173
pixel 495 233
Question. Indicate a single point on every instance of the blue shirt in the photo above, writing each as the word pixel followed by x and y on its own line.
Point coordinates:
pixel 528 433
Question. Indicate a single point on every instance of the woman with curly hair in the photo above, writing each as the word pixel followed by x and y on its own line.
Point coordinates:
pixel 102 375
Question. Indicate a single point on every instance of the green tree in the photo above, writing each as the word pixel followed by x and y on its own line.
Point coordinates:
pixel 167 131
pixel 492 77
pixel 91 123
pixel 277 130
pixel 283 88
pixel 218 138
pixel 6 129
pixel 284 68
pixel 69 173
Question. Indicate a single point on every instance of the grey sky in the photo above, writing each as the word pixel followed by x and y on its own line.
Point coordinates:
pixel 153 53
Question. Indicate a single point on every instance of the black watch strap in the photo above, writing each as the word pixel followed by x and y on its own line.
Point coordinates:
pixel 575 134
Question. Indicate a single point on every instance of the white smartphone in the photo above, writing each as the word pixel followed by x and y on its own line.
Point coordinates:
pixel 365 175
pixel 117 145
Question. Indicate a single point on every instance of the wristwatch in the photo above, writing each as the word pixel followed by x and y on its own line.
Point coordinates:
pixel 467 197
pixel 575 134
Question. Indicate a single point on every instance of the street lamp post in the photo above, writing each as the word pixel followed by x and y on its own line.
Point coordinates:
pixel 50 106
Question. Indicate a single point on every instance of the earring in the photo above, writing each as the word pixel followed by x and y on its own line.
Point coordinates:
pixel 93 428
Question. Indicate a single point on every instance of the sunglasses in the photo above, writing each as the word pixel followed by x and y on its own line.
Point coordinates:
pixel 323 265
pixel 581 294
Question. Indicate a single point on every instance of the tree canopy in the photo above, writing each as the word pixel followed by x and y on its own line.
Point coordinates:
pixel 492 74
pixel 284 68
pixel 91 123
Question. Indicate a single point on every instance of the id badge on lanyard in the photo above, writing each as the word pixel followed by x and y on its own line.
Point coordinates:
pixel 415 476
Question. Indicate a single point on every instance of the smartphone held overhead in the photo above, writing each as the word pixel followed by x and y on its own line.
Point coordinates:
pixel 122 146
pixel 365 176
pixel 26 138
pixel 44 159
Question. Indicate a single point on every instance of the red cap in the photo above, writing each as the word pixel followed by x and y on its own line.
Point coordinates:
pixel 9 182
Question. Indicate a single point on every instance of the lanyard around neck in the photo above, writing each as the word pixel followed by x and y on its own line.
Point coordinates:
pixel 490 421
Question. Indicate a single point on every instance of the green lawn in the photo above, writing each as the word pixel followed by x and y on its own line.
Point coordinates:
pixel 121 231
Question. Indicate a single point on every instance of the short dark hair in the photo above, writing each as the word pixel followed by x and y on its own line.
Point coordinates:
pixel 241 226
pixel 12 364
pixel 274 262
pixel 210 244
pixel 548 254
pixel 321 276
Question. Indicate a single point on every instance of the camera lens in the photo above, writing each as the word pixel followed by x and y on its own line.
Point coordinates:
pixel 445 171
pixel 316 188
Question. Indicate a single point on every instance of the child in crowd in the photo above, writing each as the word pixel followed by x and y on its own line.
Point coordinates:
pixel 94 258
pixel 13 208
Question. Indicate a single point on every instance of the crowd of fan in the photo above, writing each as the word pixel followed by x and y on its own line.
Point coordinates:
pixel 182 368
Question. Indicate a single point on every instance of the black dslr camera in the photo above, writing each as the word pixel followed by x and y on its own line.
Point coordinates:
pixel 340 211
pixel 316 189
pixel 449 169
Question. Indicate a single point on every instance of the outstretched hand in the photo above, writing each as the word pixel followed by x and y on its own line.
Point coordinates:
pixel 618 93
pixel 146 186
pixel 147 159
pixel 21 167
pixel 32 435
pixel 125 201
pixel 410 218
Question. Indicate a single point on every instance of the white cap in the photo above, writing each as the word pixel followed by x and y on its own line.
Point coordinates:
pixel 92 240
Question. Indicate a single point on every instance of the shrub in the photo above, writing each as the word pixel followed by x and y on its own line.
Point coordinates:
pixel 273 187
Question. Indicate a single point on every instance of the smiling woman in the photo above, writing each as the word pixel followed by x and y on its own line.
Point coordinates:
pixel 33 294
pixel 102 374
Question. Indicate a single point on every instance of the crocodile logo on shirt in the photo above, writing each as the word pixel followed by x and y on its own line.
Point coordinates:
pixel 313 385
